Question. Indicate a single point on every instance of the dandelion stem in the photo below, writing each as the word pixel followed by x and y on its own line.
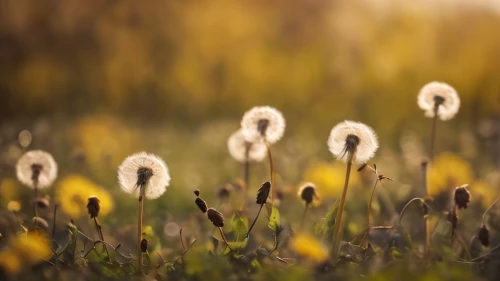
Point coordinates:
pixel 54 225
pixel 433 133
pixel 337 235
pixel 246 175
pixel 35 204
pixel 425 166
pixel 487 210
pixel 253 223
pixel 273 182
pixel 304 214
pixel 139 228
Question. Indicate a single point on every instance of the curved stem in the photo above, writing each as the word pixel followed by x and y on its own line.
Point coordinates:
pixel 406 206
pixel 370 202
pixel 487 210
pixel 273 182
pixel 253 223
pixel 462 243
pixel 337 235
pixel 224 238
pixel 101 236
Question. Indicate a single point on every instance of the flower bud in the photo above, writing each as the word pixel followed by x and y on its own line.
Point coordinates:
pixel 215 217
pixel 263 193
pixel 484 236
pixel 93 206
pixel 462 196
pixel 201 204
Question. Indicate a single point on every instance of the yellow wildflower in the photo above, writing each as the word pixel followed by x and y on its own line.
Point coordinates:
pixel 8 189
pixel 447 172
pixel 484 192
pixel 73 192
pixel 31 248
pixel 307 246
pixel 329 178
pixel 14 206
pixel 10 262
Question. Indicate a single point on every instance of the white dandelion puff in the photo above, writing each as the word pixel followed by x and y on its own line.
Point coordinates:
pixel 36 168
pixel 144 170
pixel 354 138
pixel 263 122
pixel 440 95
pixel 307 193
pixel 238 146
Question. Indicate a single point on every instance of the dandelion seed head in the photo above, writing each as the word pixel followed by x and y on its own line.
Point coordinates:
pixel 352 137
pixel 263 122
pixel 238 145
pixel 144 169
pixel 439 94
pixel 307 192
pixel 36 167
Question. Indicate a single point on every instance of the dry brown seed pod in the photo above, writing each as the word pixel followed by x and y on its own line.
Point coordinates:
pixel 215 217
pixel 201 204
pixel 93 206
pixel 484 235
pixel 144 245
pixel 197 192
pixel 263 193
pixel 462 196
pixel 40 223
pixel 308 193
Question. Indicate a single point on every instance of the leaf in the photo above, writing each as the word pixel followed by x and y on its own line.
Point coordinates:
pixel 274 220
pixel 386 237
pixel 239 226
pixel 325 226
pixel 69 250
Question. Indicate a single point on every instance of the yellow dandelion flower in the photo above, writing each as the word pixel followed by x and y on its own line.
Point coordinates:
pixel 14 206
pixel 10 262
pixel 307 246
pixel 447 172
pixel 329 178
pixel 484 192
pixel 9 189
pixel 73 192
pixel 31 249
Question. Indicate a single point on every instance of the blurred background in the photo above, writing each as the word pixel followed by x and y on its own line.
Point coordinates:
pixel 94 81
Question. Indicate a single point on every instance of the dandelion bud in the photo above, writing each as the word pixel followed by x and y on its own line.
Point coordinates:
pixel 362 167
pixel 462 196
pixel 223 192
pixel 40 223
pixel 197 192
pixel 93 206
pixel 452 218
pixel 263 193
pixel 144 245
pixel 201 204
pixel 41 203
pixel 484 236
pixel 215 217
pixel 307 192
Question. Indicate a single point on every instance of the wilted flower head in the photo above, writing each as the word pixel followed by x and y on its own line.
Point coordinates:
pixel 354 138
pixel 484 235
pixel 93 206
pixel 307 192
pixel 263 122
pixel 462 196
pixel 242 150
pixel 440 95
pixel 38 168
pixel 143 170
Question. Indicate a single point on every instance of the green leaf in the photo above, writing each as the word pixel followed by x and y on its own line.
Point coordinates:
pixel 69 250
pixel 239 226
pixel 324 227
pixel 274 220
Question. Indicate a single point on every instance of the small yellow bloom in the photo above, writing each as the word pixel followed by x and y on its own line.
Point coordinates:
pixel 14 206
pixel 31 249
pixel 307 246
pixel 447 172
pixel 329 178
pixel 73 192
pixel 10 262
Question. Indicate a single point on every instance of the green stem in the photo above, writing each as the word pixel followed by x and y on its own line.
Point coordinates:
pixel 337 235
pixel 370 202
pixel 433 133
